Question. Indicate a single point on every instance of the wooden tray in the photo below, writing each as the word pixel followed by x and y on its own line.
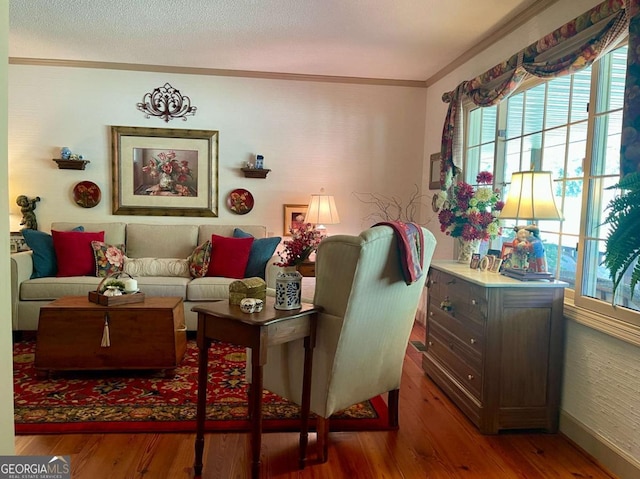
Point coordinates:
pixel 103 300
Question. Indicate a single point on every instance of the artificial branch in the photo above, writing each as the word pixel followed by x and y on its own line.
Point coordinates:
pixel 391 208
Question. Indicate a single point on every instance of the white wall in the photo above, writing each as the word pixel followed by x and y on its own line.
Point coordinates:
pixel 341 137
pixel 7 436
pixel 602 379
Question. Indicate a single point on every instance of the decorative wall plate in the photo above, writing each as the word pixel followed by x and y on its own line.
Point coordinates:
pixel 240 201
pixel 87 194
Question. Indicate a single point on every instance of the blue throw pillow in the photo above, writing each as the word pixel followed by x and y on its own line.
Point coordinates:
pixel 44 254
pixel 262 250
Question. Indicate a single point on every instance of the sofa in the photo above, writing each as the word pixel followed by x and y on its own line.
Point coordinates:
pixel 156 252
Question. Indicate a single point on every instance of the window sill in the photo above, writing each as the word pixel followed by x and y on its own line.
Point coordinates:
pixel 603 323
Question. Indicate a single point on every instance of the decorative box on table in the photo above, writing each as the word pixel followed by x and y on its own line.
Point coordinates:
pixel 99 297
pixel 247 288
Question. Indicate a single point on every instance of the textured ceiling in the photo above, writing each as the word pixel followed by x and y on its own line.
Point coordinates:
pixel 386 39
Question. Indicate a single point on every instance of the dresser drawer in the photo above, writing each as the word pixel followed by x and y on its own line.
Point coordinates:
pixel 462 362
pixel 465 298
pixel 468 330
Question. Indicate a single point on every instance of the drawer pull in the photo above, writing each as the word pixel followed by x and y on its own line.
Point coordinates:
pixel 430 343
pixel 453 281
pixel 474 302
pixel 473 341
pixel 446 304
pixel 430 313
pixel 450 345
pixel 470 377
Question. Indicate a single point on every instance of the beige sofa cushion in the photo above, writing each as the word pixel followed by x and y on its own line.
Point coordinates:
pixel 51 288
pixel 206 231
pixel 114 233
pixel 208 288
pixel 163 286
pixel 161 241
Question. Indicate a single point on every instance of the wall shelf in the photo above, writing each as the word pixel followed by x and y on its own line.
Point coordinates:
pixel 255 172
pixel 71 164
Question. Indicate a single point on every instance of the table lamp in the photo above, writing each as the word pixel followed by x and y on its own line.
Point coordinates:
pixel 322 211
pixel 530 198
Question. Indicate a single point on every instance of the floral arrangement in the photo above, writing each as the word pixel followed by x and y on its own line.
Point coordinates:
pixel 472 214
pixel 305 239
pixel 167 164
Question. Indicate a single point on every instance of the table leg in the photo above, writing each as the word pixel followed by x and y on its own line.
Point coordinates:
pixel 255 396
pixel 201 411
pixel 306 400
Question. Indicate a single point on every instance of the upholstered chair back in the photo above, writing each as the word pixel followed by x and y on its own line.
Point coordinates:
pixel 363 331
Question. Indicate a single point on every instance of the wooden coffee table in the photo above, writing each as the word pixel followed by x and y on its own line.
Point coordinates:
pixel 146 335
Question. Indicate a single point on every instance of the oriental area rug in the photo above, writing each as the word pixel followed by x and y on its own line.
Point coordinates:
pixel 146 401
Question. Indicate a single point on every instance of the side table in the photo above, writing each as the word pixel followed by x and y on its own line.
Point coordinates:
pixel 225 322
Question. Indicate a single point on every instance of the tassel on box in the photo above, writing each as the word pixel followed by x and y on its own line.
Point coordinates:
pixel 106 341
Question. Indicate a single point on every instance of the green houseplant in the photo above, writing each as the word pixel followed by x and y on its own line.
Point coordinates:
pixel 623 241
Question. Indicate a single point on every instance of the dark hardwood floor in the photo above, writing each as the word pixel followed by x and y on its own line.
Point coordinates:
pixel 435 441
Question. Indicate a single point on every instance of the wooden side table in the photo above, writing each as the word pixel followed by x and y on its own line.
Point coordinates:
pixel 307 269
pixel 224 322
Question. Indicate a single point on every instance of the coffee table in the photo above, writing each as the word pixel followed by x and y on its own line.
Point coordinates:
pixel 146 335
pixel 225 322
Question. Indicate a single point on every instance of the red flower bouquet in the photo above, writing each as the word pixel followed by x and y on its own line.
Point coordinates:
pixel 304 241
pixel 471 213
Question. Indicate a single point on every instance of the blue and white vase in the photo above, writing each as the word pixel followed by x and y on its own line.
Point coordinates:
pixel 288 289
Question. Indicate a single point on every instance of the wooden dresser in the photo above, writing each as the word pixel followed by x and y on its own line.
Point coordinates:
pixel 494 345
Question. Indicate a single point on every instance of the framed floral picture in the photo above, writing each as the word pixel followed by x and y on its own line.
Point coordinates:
pixel 293 217
pixel 164 172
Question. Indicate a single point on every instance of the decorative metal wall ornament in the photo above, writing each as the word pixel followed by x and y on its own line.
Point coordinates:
pixel 167 103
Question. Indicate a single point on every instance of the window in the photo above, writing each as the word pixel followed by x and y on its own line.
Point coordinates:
pixel 570 126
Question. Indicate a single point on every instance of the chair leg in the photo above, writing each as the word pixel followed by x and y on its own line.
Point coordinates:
pixel 394 396
pixel 322 441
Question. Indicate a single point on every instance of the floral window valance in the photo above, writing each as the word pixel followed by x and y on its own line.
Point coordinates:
pixel 571 47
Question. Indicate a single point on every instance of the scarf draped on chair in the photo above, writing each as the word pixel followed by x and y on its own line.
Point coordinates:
pixel 410 246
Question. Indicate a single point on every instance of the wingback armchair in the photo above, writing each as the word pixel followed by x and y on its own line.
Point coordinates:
pixel 363 330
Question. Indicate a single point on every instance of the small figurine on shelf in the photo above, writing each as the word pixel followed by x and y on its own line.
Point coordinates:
pixel 26 208
pixel 66 154
pixel 259 162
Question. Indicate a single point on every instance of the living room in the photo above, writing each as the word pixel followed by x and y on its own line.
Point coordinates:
pixel 345 138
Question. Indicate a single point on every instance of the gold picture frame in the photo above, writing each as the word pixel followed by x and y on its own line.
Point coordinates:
pixel 164 172
pixel 434 171
pixel 292 214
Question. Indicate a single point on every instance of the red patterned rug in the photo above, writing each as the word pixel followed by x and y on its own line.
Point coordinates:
pixel 140 401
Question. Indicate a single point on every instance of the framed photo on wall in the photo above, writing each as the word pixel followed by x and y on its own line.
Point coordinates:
pixel 434 171
pixel 293 217
pixel 164 172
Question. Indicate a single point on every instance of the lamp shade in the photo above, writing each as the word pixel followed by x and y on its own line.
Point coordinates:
pixel 322 211
pixel 531 197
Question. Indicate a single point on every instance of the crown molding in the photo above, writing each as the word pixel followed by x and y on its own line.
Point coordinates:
pixel 214 72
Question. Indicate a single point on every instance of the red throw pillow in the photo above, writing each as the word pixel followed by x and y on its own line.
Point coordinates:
pixel 74 254
pixel 229 256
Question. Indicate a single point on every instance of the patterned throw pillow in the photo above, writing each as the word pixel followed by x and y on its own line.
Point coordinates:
pixel 157 267
pixel 109 258
pixel 199 260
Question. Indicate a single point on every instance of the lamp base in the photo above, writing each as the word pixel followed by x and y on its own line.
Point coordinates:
pixel 524 275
